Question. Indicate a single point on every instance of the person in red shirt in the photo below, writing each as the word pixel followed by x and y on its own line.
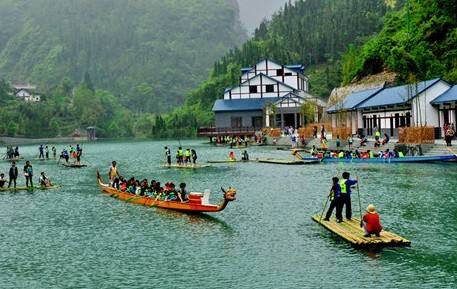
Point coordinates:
pixel 371 222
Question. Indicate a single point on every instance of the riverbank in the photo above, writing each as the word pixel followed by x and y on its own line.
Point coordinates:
pixel 29 141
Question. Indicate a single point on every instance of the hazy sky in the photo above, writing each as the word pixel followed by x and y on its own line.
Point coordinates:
pixel 253 11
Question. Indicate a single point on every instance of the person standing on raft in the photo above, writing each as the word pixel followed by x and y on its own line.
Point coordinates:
pixel 28 174
pixel 168 156
pixel 346 183
pixel 371 222
pixel 335 201
pixel 13 174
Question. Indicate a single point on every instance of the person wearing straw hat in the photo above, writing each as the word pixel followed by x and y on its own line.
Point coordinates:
pixel 371 222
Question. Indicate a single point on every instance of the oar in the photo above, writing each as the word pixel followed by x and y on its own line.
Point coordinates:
pixel 360 203
pixel 323 209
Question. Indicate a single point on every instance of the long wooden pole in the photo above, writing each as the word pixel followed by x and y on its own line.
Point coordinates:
pixel 360 203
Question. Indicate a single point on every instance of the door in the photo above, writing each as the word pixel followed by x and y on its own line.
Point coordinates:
pixel 236 122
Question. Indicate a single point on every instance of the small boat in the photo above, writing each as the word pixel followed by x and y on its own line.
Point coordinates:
pixel 288 162
pixel 351 232
pixel 416 159
pixel 189 166
pixel 226 161
pixel 198 202
pixel 24 188
pixel 13 159
pixel 74 166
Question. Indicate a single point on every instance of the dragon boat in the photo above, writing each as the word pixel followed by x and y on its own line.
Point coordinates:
pixel 198 202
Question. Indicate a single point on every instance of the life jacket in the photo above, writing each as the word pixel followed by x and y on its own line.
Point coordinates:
pixel 180 153
pixel 401 155
pixel 341 155
pixel 187 154
pixel 371 155
pixel 343 186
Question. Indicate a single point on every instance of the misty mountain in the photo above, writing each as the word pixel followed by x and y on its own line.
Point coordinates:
pixel 252 12
pixel 150 52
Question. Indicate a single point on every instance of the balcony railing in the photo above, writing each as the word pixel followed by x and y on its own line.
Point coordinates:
pixel 226 131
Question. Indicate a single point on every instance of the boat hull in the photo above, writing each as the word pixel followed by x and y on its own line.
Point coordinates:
pixel 418 159
pixel 151 202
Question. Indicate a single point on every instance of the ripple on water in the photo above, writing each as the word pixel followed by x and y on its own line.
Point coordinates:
pixel 78 238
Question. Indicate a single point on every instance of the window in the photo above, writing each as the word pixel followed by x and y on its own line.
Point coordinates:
pixel 270 88
pixel 288 74
pixel 257 121
pixel 236 122
pixel 279 72
pixel 253 89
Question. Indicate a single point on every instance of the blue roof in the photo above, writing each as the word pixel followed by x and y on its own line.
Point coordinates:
pixel 297 67
pixel 449 95
pixel 397 95
pixel 242 104
pixel 354 99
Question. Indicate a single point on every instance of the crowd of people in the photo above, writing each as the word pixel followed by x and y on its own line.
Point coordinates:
pixel 13 175
pixel 152 189
pixel 12 153
pixel 356 154
pixel 340 198
pixel 43 152
pixel 73 153
pixel 183 157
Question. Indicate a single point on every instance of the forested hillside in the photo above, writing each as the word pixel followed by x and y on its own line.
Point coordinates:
pixel 314 33
pixel 148 52
pixel 252 12
pixel 419 42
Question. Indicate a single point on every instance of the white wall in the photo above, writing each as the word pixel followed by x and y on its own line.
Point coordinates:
pixel 242 91
pixel 422 110
pixel 290 80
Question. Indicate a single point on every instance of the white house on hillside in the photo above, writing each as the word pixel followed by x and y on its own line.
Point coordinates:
pixel 268 94
pixel 26 92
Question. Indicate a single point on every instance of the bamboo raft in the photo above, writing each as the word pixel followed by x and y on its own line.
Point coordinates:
pixel 287 162
pixel 190 167
pixel 351 232
pixel 74 166
pixel 24 188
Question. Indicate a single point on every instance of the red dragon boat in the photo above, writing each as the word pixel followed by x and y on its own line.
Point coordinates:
pixel 198 202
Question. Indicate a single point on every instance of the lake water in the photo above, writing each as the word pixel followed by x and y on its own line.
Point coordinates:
pixel 76 237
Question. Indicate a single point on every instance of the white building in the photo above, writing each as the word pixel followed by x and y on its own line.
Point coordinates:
pixel 268 94
pixel 389 108
pixel 26 92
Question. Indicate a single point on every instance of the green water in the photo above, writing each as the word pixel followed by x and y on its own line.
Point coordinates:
pixel 78 238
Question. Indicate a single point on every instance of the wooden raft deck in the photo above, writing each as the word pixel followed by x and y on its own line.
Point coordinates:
pixel 351 232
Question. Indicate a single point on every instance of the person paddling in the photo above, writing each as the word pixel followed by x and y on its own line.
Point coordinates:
pixel 345 185
pixel 371 222
pixel 335 201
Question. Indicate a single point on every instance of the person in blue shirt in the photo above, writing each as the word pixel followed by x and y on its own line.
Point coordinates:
pixel 335 201
pixel 345 184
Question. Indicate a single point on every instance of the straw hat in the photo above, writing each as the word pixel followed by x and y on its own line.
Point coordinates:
pixel 371 209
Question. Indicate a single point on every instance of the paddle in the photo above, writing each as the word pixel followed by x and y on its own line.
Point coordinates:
pixel 323 209
pixel 360 203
